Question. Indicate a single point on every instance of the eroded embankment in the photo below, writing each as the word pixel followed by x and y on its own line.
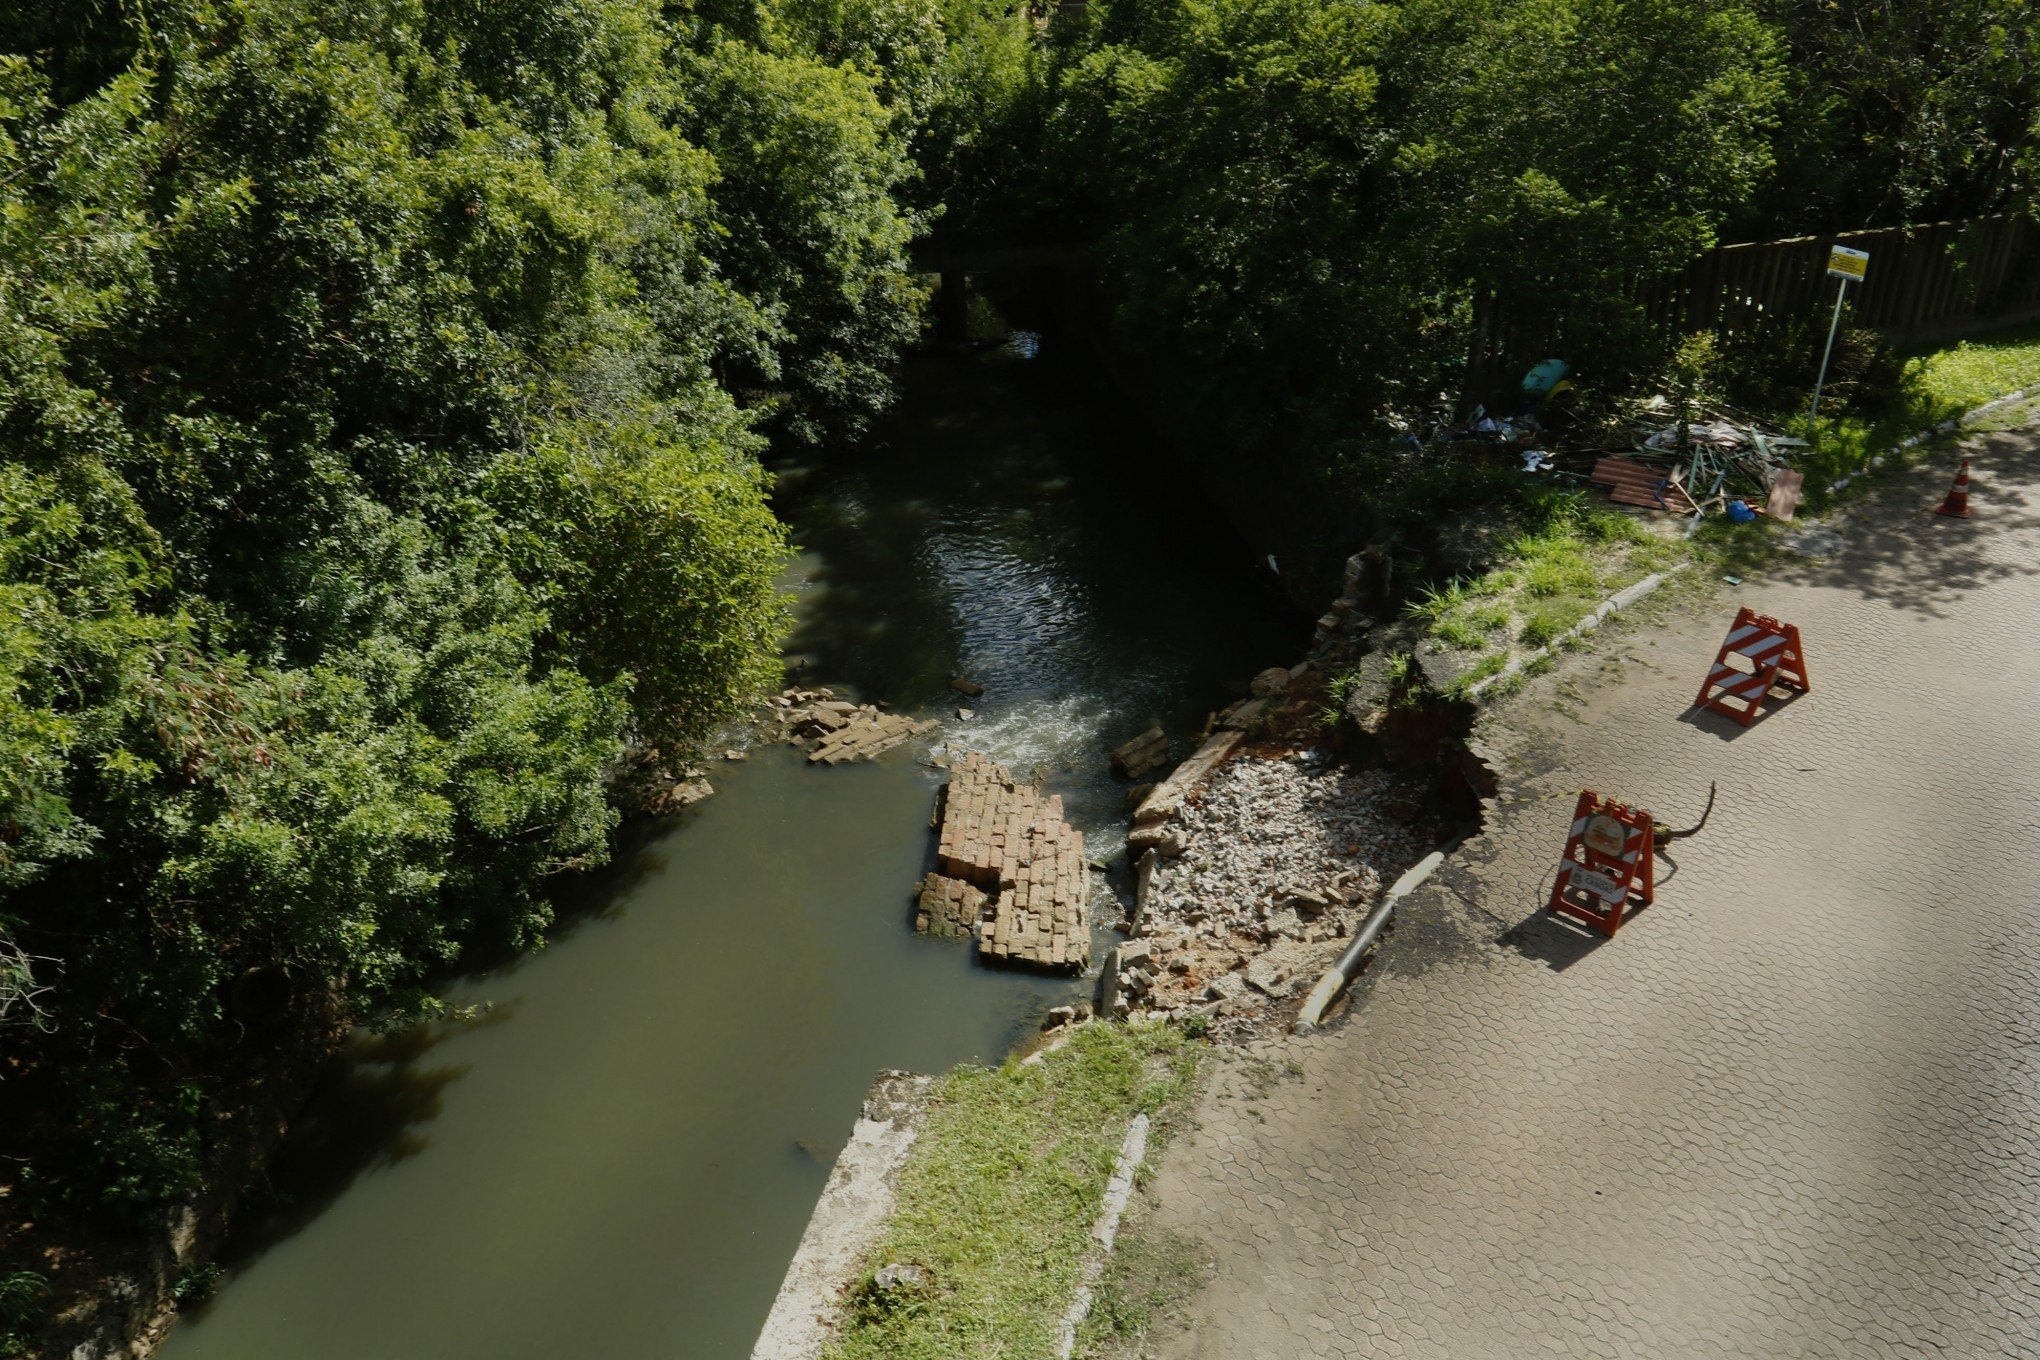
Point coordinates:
pixel 1256 858
pixel 1262 853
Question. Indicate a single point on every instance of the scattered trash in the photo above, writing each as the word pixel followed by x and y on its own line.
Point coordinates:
pixel 1733 580
pixel 1507 430
pixel 1783 502
pixel 1546 380
pixel 1715 461
pixel 1735 460
pixel 1631 483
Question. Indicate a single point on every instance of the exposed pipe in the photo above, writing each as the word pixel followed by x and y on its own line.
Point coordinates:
pixel 1344 969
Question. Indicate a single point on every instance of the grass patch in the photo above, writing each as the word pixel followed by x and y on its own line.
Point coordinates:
pixel 1938 384
pixel 22 1293
pixel 1152 1272
pixel 1969 373
pixel 998 1197
pixel 1575 549
pixel 1546 622
pixel 1571 550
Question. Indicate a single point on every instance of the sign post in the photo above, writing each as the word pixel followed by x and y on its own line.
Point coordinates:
pixel 1847 265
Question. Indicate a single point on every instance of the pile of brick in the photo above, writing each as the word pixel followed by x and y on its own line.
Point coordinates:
pixel 949 907
pixel 834 730
pixel 865 734
pixel 1004 849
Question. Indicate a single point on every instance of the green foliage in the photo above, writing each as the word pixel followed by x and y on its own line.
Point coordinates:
pixel 197 1283
pixel 1557 149
pixel 809 159
pixel 1302 207
pixel 380 390
pixel 1569 550
pixel 1544 624
pixel 998 1197
pixel 1768 369
pixel 22 1293
pixel 1151 1272
pixel 1902 113
pixel 1968 373
pixel 1935 385
pixel 1691 382
pixel 1302 202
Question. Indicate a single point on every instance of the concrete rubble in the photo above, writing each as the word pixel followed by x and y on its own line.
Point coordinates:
pixel 1253 860
pixel 1005 855
pixel 847 1221
pixel 657 788
pixel 1144 754
pixel 834 730
pixel 949 907
pixel 1345 626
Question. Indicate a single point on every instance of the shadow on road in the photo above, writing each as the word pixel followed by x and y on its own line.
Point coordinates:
pixel 1717 723
pixel 1555 941
pixel 1899 551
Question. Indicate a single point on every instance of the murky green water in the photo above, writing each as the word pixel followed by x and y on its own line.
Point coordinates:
pixel 616 1157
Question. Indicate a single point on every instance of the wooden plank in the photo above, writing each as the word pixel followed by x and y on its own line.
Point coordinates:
pixel 1784 499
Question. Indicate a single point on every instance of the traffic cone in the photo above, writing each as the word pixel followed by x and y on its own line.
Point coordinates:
pixel 1957 504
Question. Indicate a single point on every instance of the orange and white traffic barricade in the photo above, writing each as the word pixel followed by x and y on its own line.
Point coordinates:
pixel 1608 865
pixel 1956 506
pixel 1758 655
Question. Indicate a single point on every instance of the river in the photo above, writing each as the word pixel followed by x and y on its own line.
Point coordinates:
pixel 614 1146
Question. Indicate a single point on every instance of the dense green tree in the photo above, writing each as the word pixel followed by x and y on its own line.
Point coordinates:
pixel 1902 113
pixel 1555 151
pixel 380 393
pixel 1301 201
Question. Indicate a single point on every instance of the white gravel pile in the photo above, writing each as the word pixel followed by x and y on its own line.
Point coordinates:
pixel 1280 860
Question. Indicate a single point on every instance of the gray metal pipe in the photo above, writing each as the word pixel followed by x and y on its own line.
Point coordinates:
pixel 1347 966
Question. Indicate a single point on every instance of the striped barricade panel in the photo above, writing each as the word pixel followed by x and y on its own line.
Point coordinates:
pixel 1607 865
pixel 1758 655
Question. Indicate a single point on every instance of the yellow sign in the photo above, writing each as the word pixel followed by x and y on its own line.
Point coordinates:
pixel 1844 263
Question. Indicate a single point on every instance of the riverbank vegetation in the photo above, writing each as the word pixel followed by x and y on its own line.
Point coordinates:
pixel 381 388
pixel 1006 1179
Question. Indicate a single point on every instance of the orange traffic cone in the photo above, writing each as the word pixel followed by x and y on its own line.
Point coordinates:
pixel 1957 504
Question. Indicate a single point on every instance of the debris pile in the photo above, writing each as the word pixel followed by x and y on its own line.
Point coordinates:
pixel 834 730
pixel 1685 458
pixel 1142 756
pixel 655 788
pixel 1278 860
pixel 1009 869
pixel 1714 460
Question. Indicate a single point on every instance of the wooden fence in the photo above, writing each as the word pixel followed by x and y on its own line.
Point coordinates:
pixel 1923 282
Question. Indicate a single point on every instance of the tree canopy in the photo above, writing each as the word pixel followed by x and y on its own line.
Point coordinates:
pixel 380 392
pixel 382 383
pixel 1297 204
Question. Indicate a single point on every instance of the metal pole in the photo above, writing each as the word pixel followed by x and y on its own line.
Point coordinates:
pixel 1841 296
